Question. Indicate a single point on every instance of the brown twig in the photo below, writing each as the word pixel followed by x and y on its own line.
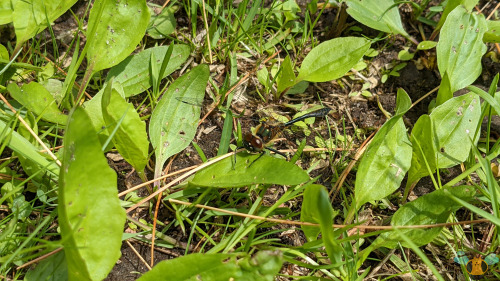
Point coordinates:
pixel 301 223
pixel 186 175
pixel 40 258
pixel 138 255
pixel 344 174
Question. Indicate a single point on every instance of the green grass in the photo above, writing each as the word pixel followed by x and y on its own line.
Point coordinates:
pixel 339 208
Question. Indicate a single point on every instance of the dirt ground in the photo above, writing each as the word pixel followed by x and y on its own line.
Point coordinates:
pixel 350 113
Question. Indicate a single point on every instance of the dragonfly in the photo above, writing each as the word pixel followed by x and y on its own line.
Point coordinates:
pixel 265 133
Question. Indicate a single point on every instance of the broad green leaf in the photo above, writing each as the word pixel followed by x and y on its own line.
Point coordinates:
pixel 424 146
pixel 133 72
pixel 426 45
pixel 38 100
pixel 403 102
pixel 93 108
pixel 451 5
pixel 27 150
pixel 316 208
pixel 114 30
pixel 4 53
pixel 173 122
pixel 445 92
pixel 460 47
pixel 90 215
pixel 264 266
pixel 162 25
pixel 54 268
pixel 381 15
pixel 332 59
pixel 298 88
pixel 286 77
pixel 455 124
pixel 55 88
pixel 130 138
pixel 31 17
pixel 432 208
pixel 493 33
pixel 266 170
pixel 6 9
pixel 387 158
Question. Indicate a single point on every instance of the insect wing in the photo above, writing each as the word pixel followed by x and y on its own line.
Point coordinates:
pixel 461 258
pixel 491 259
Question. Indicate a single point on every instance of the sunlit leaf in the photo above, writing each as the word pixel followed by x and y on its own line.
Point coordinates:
pixel 431 208
pixel 451 5
pixel 381 15
pixel 332 59
pixel 460 47
pixel 286 77
pixel 264 266
pixel 232 172
pixel 424 146
pixel 426 45
pixel 174 122
pixel 114 30
pixel 38 100
pixel 387 158
pixel 130 138
pixel 31 17
pixel 493 33
pixel 93 108
pixel 90 215
pixel 162 25
pixel 133 72
pixel 6 9
pixel 455 124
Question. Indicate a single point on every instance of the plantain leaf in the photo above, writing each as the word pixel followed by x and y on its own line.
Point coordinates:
pixel 54 268
pixel 6 10
pixel 286 77
pixel 424 146
pixel 332 59
pixel 263 266
pixel 235 172
pixel 381 15
pixel 460 47
pixel 133 72
pixel 93 108
pixel 162 25
pixel 173 122
pixel 90 215
pixel 432 208
pixel 493 33
pixel 114 30
pixel 387 158
pixel 38 100
pixel 455 123
pixel 31 17
pixel 130 138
